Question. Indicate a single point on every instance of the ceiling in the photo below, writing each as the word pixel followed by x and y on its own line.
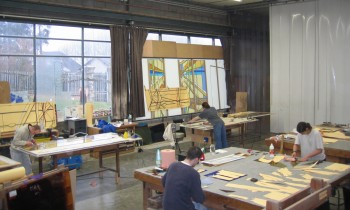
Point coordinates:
pixel 226 3
pixel 232 5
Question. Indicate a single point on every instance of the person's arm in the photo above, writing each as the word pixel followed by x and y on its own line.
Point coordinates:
pixel 19 139
pixel 311 154
pixel 164 179
pixel 197 192
pixel 194 119
pixel 295 150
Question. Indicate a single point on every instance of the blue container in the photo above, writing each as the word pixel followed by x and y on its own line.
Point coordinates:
pixel 73 162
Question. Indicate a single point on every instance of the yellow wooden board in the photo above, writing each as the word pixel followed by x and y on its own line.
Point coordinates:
pixel 167 98
pixel 15 115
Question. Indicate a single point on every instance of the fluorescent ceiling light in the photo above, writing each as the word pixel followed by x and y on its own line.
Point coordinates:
pixel 237 0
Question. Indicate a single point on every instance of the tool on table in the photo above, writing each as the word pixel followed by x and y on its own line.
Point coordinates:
pixel 227 191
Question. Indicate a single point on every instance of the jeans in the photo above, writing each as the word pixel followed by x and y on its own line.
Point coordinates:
pixel 199 206
pixel 220 136
pixel 22 158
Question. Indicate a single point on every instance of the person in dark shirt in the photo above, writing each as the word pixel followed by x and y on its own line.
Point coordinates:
pixel 182 184
pixel 212 116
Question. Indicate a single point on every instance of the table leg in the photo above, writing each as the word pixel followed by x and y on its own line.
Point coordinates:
pixel 100 163
pixel 40 160
pixel 117 165
pixel 147 193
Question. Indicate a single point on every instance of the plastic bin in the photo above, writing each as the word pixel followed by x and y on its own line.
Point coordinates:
pixel 73 162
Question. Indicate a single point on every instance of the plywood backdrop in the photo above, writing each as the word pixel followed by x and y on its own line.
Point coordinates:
pixel 167 98
pixel 15 115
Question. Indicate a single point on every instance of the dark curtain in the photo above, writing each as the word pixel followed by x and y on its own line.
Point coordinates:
pixel 119 48
pixel 127 83
pixel 137 40
pixel 248 65
pixel 227 47
pixel 252 67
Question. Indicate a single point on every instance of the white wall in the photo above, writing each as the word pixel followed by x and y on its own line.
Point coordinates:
pixel 309 45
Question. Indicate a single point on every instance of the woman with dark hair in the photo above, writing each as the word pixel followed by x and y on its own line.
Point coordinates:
pixel 309 142
pixel 212 116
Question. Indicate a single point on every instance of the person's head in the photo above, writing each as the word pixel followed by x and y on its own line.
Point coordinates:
pixel 193 155
pixel 205 105
pixel 34 129
pixel 304 128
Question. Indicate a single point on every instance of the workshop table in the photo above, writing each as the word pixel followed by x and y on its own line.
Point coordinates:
pixel 215 195
pixel 197 131
pixel 107 142
pixel 337 151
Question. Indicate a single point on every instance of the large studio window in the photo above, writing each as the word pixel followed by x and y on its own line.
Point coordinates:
pixel 69 65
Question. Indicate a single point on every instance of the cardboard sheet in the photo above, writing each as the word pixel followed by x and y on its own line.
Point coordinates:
pixel 276 196
pixel 338 167
pixel 270 177
pixel 259 201
pixel 250 188
pixel 238 196
pixel 285 172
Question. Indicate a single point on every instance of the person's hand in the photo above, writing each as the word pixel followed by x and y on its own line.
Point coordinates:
pixel 33 141
pixel 29 143
pixel 303 159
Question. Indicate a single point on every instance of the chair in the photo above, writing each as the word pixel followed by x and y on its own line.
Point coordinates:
pixel 178 136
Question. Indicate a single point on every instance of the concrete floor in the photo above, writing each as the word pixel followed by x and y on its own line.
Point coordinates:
pixel 93 192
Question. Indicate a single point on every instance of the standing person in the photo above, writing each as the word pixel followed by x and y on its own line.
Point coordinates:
pixel 309 142
pixel 182 184
pixel 24 137
pixel 211 115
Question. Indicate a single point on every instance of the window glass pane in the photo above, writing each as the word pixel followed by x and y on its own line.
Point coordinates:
pixel 217 42
pixel 97 34
pixel 19 72
pixel 60 81
pixel 152 36
pixel 60 48
pixel 16 46
pixel 201 40
pixel 16 29
pixel 192 76
pixel 60 32
pixel 174 38
pixel 97 85
pixel 97 49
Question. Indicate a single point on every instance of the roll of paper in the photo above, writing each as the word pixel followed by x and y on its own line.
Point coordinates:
pixel 168 157
pixel 12 174
pixel 89 110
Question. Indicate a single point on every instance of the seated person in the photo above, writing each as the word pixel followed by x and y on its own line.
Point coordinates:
pixel 310 143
